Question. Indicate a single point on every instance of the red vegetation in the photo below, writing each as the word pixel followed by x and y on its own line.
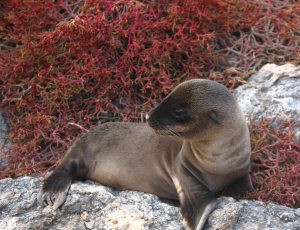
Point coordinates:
pixel 275 164
pixel 65 65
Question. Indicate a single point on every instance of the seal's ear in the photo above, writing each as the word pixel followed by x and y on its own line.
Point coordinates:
pixel 215 116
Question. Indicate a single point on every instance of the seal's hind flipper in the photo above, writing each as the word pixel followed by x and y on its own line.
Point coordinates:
pixel 53 199
pixel 55 188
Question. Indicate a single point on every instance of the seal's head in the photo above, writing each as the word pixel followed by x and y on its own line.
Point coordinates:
pixel 196 110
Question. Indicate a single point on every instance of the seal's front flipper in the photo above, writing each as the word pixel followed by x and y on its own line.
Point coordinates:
pixel 196 207
pixel 204 216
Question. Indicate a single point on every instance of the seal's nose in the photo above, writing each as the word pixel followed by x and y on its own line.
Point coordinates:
pixel 147 116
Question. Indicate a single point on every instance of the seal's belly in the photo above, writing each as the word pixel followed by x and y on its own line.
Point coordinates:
pixel 133 158
pixel 143 175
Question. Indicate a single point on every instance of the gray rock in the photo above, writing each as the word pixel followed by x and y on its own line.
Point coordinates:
pixel 273 92
pixel 254 215
pixel 89 206
pixel 4 142
pixel 93 206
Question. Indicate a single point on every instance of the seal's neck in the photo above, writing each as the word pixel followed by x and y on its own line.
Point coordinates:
pixel 221 155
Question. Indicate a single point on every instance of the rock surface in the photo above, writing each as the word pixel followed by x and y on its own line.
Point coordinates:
pixel 93 206
pixel 254 215
pixel 4 142
pixel 274 92
pixel 88 206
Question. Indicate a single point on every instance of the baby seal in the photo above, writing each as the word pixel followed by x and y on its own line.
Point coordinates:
pixel 196 144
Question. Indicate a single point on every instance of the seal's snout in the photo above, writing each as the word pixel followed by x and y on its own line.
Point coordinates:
pixel 153 123
pixel 153 120
pixel 147 116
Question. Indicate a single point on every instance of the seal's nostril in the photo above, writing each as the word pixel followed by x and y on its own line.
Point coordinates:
pixel 147 116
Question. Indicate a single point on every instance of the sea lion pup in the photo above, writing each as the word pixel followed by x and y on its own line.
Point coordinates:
pixel 200 145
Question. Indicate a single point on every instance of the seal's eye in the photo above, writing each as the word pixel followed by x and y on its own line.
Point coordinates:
pixel 179 112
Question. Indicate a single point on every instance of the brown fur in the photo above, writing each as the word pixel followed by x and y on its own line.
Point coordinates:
pixel 197 145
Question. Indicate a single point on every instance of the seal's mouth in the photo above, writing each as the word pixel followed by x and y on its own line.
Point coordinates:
pixel 156 126
pixel 160 128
